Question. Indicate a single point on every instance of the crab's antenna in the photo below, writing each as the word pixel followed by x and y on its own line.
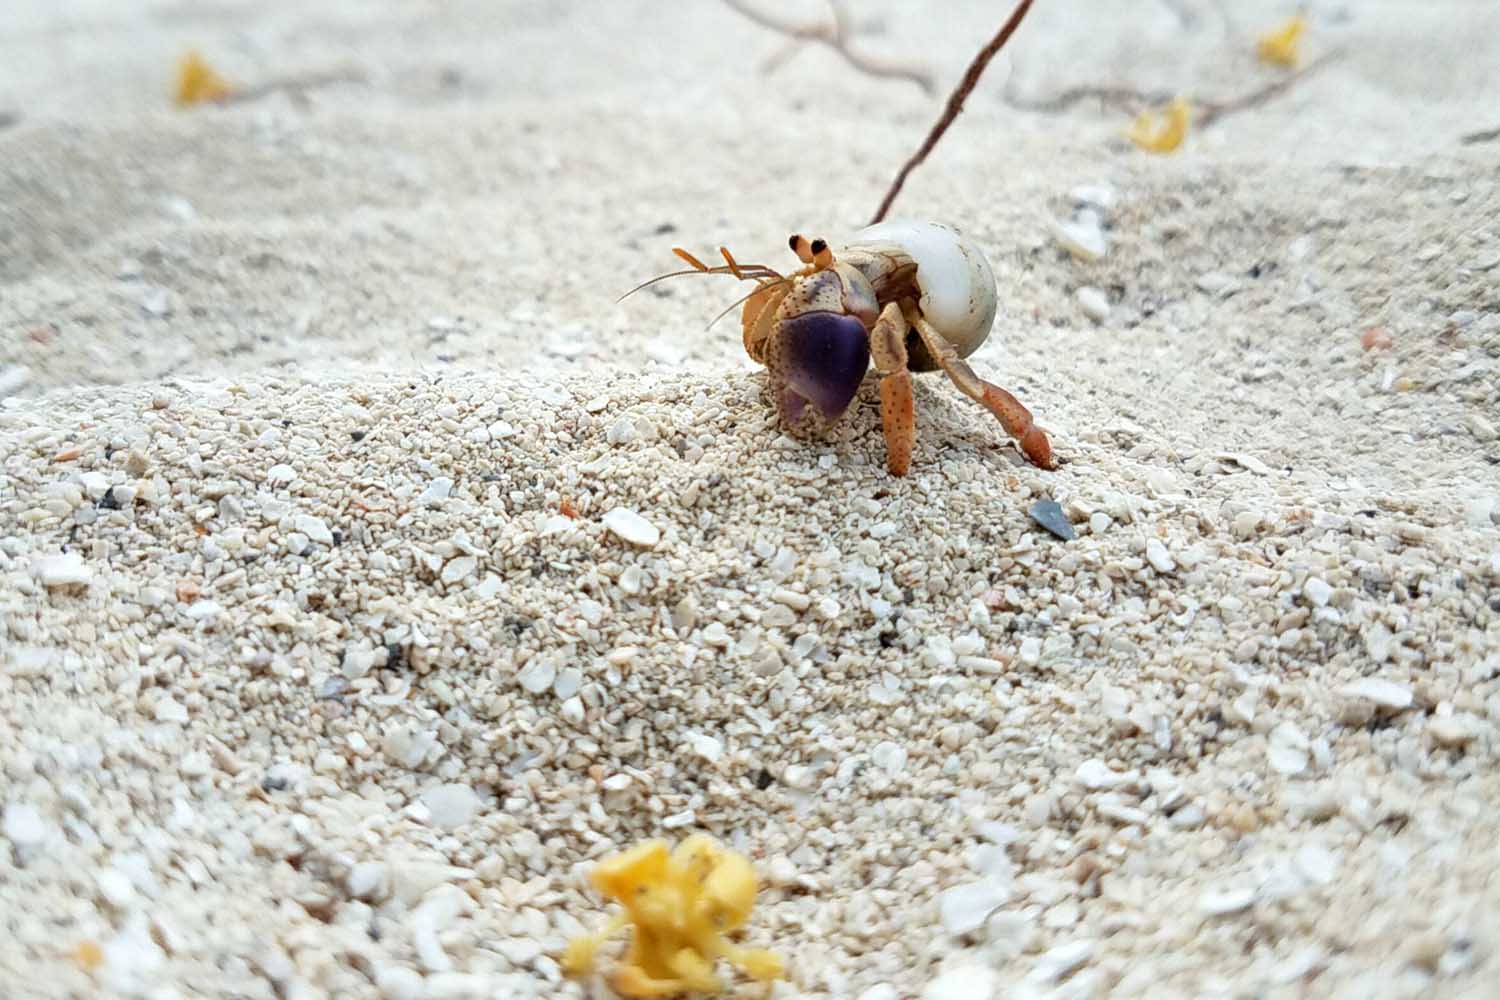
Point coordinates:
pixel 745 272
pixel 762 286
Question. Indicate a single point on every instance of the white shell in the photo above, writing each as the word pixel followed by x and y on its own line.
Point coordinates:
pixel 958 287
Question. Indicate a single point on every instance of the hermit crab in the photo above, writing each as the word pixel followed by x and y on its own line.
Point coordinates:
pixel 907 296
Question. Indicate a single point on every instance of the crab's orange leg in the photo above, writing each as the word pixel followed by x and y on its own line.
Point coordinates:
pixel 898 417
pixel 1014 417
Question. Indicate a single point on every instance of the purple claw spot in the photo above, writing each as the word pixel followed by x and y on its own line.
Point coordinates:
pixel 823 359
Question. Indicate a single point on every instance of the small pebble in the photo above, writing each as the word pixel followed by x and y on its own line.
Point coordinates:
pixel 64 570
pixel 315 528
pixel 1379 692
pixel 451 806
pixel 23 825
pixel 964 982
pixel 1317 591
pixel 1223 903
pixel 963 909
pixel 632 527
pixel 1049 514
pixel 1082 236
pixel 1093 302
pixel 1158 556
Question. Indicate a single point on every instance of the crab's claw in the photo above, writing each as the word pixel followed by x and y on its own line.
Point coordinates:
pixel 817 361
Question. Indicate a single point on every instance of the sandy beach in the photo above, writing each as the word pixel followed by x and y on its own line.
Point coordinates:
pixel 330 665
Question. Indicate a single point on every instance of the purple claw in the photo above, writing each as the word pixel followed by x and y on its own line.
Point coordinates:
pixel 821 360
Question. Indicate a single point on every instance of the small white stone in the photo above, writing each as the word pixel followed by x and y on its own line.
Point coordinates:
pixel 632 527
pixel 538 674
pixel 167 710
pixel 458 568
pixel 1099 522
pixel 115 888
pixel 569 680
pixel 95 484
pixel 450 806
pixel 964 982
pixel 519 951
pixel 1096 775
pixel 572 710
pixel 622 431
pixel 398 982
pixel 1452 730
pixel 1316 863
pixel 1083 237
pixel 1031 650
pixel 1218 283
pixel 1058 962
pixel 23 825
pixel 280 474
pixel 437 491
pixel 983 664
pixel 881 991
pixel 1093 302
pixel 437 911
pixel 889 757
pixel 367 880
pixel 1287 749
pixel 1379 691
pixel 1219 904
pixel 677 820
pixel 705 746
pixel 315 528
pixel 1158 556
pixel 66 569
pixel 964 908
pixel 1317 592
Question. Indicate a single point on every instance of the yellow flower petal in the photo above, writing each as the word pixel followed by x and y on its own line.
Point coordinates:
pixel 1166 134
pixel 1280 44
pixel 198 82
pixel 681 905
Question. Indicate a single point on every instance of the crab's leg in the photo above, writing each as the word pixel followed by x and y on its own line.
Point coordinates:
pixel 1014 417
pixel 897 406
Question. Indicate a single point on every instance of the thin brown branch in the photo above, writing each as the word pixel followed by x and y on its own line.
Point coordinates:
pixel 955 103
pixel 296 86
pixel 835 35
pixel 1133 101
pixel 1122 98
pixel 1212 111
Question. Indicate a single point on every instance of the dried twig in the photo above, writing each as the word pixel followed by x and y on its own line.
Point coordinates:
pixel 1134 101
pixel 1212 111
pixel 1122 98
pixel 955 103
pixel 294 86
pixel 1483 135
pixel 835 35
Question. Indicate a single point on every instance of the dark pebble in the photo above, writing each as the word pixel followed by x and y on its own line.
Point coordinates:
pixel 1049 514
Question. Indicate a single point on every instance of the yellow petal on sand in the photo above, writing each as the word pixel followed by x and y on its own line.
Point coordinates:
pixel 198 82
pixel 1163 132
pixel 1280 44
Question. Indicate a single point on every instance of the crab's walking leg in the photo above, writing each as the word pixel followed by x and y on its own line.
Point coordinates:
pixel 897 407
pixel 1014 417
